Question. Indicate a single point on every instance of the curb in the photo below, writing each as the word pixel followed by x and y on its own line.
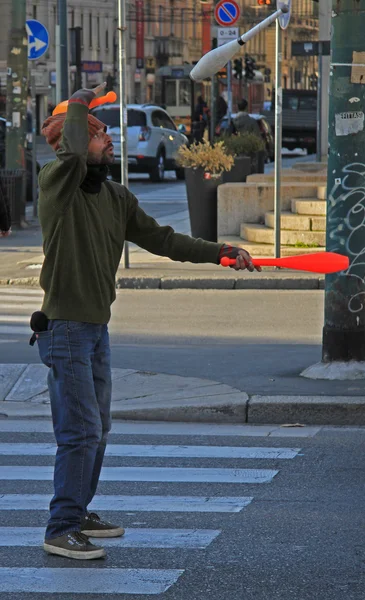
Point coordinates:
pixel 196 283
pixel 257 410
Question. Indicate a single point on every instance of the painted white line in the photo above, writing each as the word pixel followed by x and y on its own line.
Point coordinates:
pixel 161 474
pixel 149 428
pixel 149 451
pixel 134 503
pixel 87 581
pixel 133 538
pixel 15 319
pixel 15 330
pixel 26 304
pixel 18 291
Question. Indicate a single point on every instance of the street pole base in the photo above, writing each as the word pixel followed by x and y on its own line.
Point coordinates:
pixel 336 371
pixel 343 345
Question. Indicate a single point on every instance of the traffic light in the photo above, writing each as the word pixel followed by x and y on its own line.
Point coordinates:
pixel 237 68
pixel 249 67
pixel 265 2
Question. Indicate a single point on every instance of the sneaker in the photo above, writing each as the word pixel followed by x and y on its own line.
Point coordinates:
pixel 73 545
pixel 93 526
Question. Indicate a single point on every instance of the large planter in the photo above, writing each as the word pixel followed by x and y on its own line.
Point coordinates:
pixel 202 202
pixel 239 171
pixel 258 162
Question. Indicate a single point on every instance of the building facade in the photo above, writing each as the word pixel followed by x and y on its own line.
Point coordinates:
pixel 159 33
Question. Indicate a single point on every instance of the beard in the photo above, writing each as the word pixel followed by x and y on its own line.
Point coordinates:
pixel 102 158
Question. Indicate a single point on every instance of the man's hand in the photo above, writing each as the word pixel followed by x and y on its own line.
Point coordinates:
pixel 85 96
pixel 243 258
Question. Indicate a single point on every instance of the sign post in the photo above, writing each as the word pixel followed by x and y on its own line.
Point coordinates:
pixel 227 13
pixel 281 23
pixel 38 41
pixel 122 29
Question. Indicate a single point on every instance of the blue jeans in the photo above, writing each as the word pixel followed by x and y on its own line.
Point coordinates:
pixel 79 383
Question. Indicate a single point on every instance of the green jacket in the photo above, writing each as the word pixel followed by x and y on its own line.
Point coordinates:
pixel 84 234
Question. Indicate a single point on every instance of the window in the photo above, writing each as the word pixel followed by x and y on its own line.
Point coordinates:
pixel 171 92
pixel 149 17
pixel 90 30
pixel 106 40
pixel 72 18
pixel 136 118
pixel 34 11
pixel 82 29
pixel 161 119
pixel 184 93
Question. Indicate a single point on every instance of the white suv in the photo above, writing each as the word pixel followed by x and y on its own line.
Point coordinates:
pixel 152 139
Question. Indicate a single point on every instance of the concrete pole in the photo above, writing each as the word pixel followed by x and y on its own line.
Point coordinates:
pixel 122 63
pixel 343 350
pixel 325 7
pixel 16 96
pixel 61 52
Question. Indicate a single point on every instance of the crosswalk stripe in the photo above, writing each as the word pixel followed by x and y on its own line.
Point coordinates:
pixel 16 329
pixel 87 581
pixel 148 474
pixel 12 291
pixel 214 504
pixel 159 451
pixel 30 305
pixel 133 538
pixel 15 319
pixel 152 428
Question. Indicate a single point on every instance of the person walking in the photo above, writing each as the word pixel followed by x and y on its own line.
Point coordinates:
pixel 85 220
pixel 5 217
pixel 242 122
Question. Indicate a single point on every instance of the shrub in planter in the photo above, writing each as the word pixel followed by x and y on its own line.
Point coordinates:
pixel 204 165
pixel 249 145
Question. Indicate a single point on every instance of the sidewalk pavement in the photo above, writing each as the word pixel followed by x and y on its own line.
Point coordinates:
pixel 147 396
pixel 21 259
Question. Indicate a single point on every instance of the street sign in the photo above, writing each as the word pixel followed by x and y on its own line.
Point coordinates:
pixel 310 48
pixel 38 39
pixel 227 34
pixel 226 12
pixel 285 17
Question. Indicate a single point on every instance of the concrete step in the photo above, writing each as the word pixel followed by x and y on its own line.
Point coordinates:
pixel 293 222
pixel 309 206
pixel 288 221
pixel 263 235
pixel 265 250
pixel 290 175
pixel 322 192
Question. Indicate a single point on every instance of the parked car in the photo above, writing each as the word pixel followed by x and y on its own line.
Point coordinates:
pixel 27 156
pixel 152 139
pixel 265 132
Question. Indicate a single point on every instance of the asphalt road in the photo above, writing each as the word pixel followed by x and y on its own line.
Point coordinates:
pixel 297 536
pixel 256 341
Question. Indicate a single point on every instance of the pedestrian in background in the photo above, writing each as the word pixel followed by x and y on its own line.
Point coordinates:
pixel 5 218
pixel 85 219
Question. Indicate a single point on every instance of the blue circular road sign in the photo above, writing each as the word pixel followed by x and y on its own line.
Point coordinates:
pixel 38 39
pixel 284 18
pixel 226 12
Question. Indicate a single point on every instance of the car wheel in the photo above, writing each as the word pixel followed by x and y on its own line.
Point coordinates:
pixel 180 174
pixel 157 174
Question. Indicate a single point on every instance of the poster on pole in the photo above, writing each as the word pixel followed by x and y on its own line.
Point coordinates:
pixel 140 34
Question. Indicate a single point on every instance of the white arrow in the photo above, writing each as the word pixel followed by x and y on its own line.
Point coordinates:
pixel 37 44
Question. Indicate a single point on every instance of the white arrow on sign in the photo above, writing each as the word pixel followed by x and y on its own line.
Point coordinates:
pixel 37 44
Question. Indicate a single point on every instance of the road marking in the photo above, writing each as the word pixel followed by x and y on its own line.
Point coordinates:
pixel 87 581
pixel 158 428
pixel 26 304
pixel 159 451
pixel 133 538
pixel 134 503
pixel 15 319
pixel 17 329
pixel 152 474
pixel 15 291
